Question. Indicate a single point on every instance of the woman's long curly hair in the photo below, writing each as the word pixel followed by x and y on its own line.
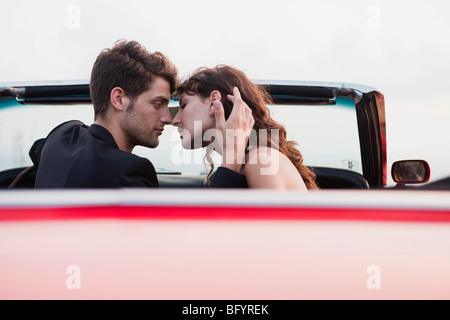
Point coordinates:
pixel 224 78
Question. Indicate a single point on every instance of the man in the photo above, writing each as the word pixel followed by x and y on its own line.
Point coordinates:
pixel 130 89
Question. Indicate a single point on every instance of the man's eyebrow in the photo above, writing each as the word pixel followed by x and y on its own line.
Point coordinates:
pixel 162 98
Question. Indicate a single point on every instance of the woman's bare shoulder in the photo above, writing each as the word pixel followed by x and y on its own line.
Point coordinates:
pixel 269 168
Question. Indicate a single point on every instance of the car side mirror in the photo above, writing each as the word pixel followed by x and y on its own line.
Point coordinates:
pixel 410 172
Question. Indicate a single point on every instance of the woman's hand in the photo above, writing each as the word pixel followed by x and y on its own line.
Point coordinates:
pixel 235 130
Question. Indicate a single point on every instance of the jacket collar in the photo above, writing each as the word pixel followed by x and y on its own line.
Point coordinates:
pixel 103 134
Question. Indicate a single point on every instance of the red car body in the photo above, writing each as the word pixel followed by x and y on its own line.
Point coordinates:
pixel 222 245
pixel 353 239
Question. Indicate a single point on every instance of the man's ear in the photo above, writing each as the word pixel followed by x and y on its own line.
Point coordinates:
pixel 118 99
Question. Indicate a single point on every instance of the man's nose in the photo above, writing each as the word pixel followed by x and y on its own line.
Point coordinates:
pixel 176 119
pixel 166 117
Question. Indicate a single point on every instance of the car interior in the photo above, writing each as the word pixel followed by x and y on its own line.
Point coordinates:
pixel 289 100
pixel 327 178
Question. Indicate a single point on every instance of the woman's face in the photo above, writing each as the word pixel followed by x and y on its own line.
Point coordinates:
pixel 193 118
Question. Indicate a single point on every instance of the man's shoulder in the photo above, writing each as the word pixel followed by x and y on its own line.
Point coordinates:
pixel 75 155
pixel 133 170
pixel 68 125
pixel 66 128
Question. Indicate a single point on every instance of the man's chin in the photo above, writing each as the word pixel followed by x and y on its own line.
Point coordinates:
pixel 152 144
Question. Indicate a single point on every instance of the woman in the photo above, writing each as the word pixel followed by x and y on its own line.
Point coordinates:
pixel 270 160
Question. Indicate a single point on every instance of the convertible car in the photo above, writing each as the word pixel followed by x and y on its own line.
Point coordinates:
pixel 358 237
pixel 341 130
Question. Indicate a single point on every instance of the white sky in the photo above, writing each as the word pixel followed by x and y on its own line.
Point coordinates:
pixel 400 47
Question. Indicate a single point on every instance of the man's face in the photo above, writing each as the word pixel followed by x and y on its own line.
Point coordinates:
pixel 145 118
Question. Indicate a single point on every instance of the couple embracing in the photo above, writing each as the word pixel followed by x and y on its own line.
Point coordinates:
pixel 220 109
